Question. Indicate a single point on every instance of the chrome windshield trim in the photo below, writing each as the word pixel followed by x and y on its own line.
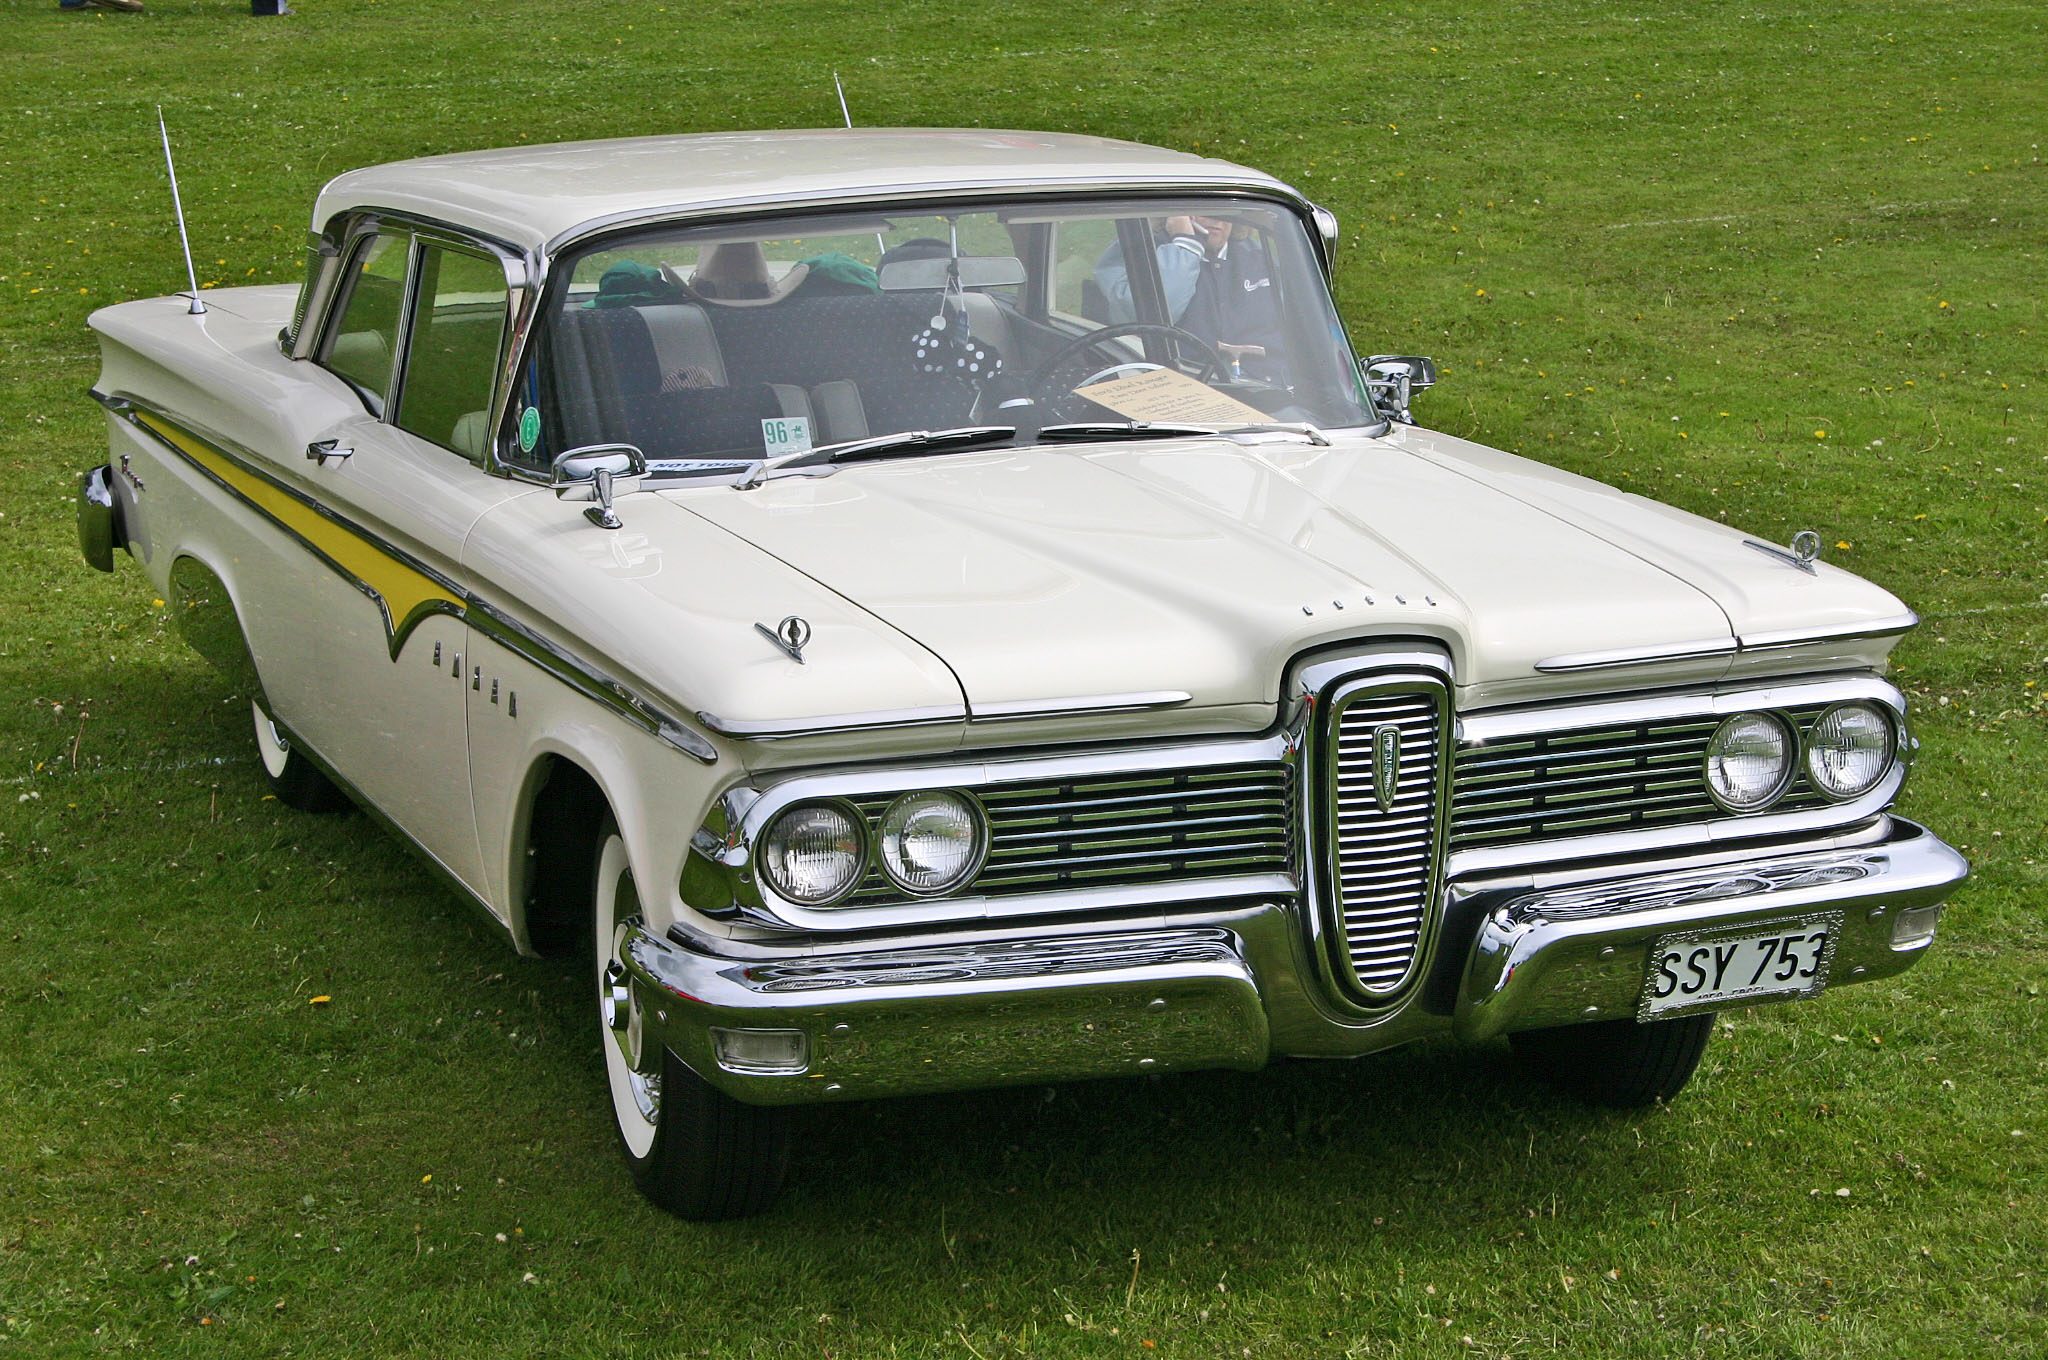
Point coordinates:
pixel 1098 703
pixel 1800 637
pixel 1637 656
pixel 1233 183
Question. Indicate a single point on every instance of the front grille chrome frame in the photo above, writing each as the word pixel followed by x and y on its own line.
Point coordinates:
pixel 1208 821
pixel 1379 868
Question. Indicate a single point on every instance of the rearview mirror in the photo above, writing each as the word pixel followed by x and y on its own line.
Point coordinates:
pixel 976 271
pixel 594 472
pixel 1392 379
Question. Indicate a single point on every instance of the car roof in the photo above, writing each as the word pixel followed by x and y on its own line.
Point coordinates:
pixel 533 196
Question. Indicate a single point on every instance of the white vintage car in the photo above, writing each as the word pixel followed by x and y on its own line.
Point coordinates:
pixel 924 610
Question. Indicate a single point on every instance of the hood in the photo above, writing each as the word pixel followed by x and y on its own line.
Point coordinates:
pixel 1051 575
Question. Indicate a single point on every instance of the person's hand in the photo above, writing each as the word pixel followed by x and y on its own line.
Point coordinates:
pixel 1182 226
pixel 1214 231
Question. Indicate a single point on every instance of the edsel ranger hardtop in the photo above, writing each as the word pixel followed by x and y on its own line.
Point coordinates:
pixel 920 610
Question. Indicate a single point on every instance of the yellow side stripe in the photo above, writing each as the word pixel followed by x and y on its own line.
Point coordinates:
pixel 405 594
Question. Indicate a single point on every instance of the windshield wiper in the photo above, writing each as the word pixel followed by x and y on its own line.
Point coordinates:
pixel 1125 429
pixel 1143 429
pixel 881 446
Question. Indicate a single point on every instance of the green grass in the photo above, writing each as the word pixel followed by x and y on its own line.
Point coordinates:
pixel 1781 264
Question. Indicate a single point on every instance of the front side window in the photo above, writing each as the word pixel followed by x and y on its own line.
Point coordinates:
pixel 451 355
pixel 724 344
pixel 364 339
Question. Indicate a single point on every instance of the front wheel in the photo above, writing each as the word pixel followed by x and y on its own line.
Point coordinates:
pixel 294 780
pixel 1622 1064
pixel 691 1148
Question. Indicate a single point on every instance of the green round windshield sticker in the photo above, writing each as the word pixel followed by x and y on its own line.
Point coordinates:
pixel 529 429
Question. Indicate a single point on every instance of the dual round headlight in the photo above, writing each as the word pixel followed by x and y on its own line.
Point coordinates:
pixel 1752 757
pixel 926 843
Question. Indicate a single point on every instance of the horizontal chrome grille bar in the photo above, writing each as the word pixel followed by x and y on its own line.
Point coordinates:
pixel 1620 777
pixel 1136 827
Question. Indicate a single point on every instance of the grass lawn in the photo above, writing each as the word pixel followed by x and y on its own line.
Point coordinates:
pixel 1782 264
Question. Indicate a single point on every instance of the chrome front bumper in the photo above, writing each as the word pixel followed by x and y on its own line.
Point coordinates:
pixel 1239 984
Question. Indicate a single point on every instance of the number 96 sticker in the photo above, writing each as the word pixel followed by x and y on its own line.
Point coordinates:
pixel 1706 969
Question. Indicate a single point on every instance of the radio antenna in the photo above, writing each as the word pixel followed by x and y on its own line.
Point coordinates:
pixel 198 308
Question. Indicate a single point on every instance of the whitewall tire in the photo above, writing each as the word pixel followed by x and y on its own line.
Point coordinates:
pixel 691 1148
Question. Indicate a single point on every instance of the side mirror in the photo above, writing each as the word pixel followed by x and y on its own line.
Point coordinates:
pixel 594 472
pixel 1326 228
pixel 1391 380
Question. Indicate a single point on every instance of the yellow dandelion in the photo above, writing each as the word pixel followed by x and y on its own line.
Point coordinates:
pixel 1844 544
pixel 320 1000
pixel 1820 434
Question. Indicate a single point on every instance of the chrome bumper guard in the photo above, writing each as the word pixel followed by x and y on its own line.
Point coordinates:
pixel 1004 1013
pixel 1579 953
pixel 812 1025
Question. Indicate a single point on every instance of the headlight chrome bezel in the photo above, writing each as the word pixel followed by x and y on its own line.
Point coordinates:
pixel 1808 748
pixel 977 815
pixel 864 856
pixel 1789 766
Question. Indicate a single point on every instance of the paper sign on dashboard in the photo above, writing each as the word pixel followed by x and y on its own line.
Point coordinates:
pixel 1163 395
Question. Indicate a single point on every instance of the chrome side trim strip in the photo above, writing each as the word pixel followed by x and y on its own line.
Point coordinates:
pixel 586 679
pixel 1800 637
pixel 1636 656
pixel 552 657
pixel 1098 703
pixel 772 729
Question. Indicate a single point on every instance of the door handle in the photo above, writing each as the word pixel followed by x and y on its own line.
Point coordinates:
pixel 321 450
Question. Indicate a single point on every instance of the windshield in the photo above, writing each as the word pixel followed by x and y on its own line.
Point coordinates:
pixel 719 345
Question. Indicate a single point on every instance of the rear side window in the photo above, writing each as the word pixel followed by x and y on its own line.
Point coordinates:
pixel 364 339
pixel 451 363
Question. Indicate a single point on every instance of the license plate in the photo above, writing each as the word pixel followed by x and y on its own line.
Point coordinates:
pixel 1705 969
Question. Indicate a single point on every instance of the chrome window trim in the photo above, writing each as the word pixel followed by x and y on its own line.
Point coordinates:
pixel 421 240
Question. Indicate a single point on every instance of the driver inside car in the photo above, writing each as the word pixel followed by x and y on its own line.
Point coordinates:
pixel 1218 286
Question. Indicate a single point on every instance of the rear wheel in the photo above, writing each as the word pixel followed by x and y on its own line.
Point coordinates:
pixel 294 780
pixel 1618 1063
pixel 691 1148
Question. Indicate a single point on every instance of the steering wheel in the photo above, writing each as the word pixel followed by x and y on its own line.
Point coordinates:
pixel 1041 377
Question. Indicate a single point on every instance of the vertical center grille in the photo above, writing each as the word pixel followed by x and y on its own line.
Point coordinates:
pixel 1384 818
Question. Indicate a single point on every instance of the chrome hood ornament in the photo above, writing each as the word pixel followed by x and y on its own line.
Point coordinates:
pixel 1803 552
pixel 792 635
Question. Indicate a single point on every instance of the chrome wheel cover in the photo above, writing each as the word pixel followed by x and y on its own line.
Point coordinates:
pixel 636 1096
